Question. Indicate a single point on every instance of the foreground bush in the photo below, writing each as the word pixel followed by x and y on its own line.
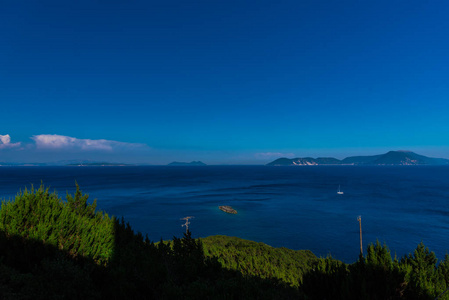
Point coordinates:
pixel 72 226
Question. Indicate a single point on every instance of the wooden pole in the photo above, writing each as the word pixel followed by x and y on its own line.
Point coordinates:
pixel 359 218
pixel 187 223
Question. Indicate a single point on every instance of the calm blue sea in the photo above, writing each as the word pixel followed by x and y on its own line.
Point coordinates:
pixel 293 207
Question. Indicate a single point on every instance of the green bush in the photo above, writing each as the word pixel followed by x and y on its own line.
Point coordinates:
pixel 72 226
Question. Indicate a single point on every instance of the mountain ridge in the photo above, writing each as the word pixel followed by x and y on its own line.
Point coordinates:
pixel 192 163
pixel 398 158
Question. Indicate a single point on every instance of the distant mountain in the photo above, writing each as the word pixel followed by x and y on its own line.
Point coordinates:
pixel 7 164
pixel 389 158
pixel 193 163
pixel 64 163
pixel 97 164
pixel 92 163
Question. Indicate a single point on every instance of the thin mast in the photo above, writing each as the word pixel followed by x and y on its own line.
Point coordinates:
pixel 359 218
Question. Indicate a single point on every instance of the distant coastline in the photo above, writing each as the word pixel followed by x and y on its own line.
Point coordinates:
pixel 192 163
pixel 391 158
pixel 59 164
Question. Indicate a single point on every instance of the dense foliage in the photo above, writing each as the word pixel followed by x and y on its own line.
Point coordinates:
pixel 378 276
pixel 63 249
pixel 55 249
pixel 73 226
pixel 258 259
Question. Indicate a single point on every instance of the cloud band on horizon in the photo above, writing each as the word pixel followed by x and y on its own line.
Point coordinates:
pixel 62 142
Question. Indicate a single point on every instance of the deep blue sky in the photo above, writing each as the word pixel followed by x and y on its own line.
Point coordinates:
pixel 222 81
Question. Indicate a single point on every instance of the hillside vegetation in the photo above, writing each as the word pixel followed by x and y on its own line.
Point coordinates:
pixel 259 259
pixel 64 249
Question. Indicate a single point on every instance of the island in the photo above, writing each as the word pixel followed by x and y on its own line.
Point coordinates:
pixel 394 158
pixel 97 164
pixel 192 163
pixel 227 209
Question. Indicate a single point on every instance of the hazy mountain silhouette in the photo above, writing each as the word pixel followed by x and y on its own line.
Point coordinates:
pixel 389 158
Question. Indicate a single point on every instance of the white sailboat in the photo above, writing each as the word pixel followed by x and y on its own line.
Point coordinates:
pixel 339 191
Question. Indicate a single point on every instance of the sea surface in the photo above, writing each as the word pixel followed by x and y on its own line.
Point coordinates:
pixel 293 207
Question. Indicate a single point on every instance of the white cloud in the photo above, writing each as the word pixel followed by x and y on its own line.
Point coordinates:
pixel 271 155
pixel 55 141
pixel 5 142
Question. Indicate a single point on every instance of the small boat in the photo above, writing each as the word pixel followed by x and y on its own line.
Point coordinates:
pixel 227 209
pixel 339 191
